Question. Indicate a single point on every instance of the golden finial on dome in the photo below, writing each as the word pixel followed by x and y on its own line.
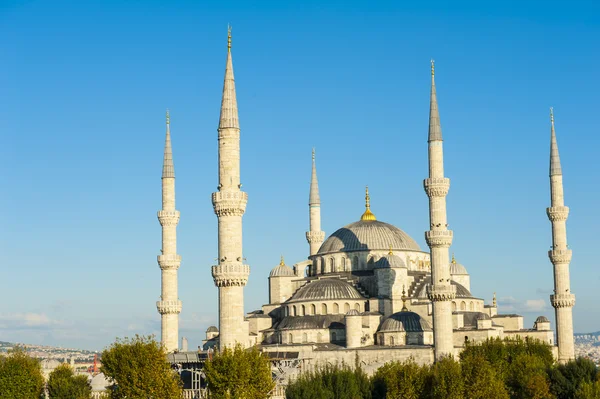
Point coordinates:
pixel 168 117
pixel 281 262
pixel 368 215
pixel 391 252
pixel 229 38
pixel 404 298
pixel 453 258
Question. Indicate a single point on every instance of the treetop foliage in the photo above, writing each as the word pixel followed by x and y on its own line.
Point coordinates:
pixel 64 384
pixel 20 376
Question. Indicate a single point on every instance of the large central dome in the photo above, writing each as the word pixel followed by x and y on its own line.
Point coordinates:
pixel 368 235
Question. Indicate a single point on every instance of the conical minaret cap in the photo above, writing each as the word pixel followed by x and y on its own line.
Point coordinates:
pixel 168 168
pixel 229 109
pixel 555 168
pixel 314 198
pixel 435 128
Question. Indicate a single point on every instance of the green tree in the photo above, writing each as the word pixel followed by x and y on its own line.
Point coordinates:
pixel 64 384
pixel 239 373
pixel 528 378
pixel 400 380
pixel 588 390
pixel 567 378
pixel 481 380
pixel 20 376
pixel 140 370
pixel 330 382
pixel 446 380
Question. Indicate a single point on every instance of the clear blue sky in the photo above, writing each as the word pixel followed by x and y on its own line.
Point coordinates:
pixel 83 91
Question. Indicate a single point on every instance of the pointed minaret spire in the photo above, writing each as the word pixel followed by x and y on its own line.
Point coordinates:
pixel 229 110
pixel 168 168
pixel 563 299
pixel 555 168
pixel 435 128
pixel 314 236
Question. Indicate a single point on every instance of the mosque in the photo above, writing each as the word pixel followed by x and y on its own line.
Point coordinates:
pixel 367 292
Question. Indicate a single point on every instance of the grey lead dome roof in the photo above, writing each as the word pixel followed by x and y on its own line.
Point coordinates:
pixel 282 271
pixel 405 321
pixel 368 235
pixel 327 288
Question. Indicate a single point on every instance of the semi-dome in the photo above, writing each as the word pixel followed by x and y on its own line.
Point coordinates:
pixel 542 319
pixel 325 289
pixel 366 235
pixel 353 312
pixel 483 316
pixel 391 325
pixel 390 261
pixel 282 270
pixel 212 329
pixel 410 322
pixel 461 290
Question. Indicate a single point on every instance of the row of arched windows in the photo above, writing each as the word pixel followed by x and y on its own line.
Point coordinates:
pixel 304 340
pixel 309 310
pixel 463 306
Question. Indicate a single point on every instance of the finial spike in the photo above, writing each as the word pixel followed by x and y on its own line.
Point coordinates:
pixel 453 258
pixel 282 262
pixel 368 215
pixel 404 298
pixel 552 114
pixel 494 303
pixel 432 67
pixel 168 117
pixel 391 251
pixel 313 153
pixel 228 37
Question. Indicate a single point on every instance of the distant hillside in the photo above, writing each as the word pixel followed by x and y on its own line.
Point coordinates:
pixel 594 334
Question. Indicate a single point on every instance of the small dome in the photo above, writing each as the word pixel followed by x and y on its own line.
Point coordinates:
pixel 353 312
pixel 542 319
pixel 326 288
pixel 483 316
pixel 368 235
pixel 212 329
pixel 390 261
pixel 99 383
pixel 410 322
pixel 457 268
pixel 282 271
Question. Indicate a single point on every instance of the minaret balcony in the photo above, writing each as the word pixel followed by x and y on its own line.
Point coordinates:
pixel 168 307
pixel 168 218
pixel 169 261
pixel 229 274
pixel 560 256
pixel 229 203
pixel 557 213
pixel 562 300
pixel 436 186
pixel 315 236
pixel 438 293
pixel 439 238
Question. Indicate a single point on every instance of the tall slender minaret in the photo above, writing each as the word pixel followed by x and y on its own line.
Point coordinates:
pixel 560 255
pixel 169 306
pixel 314 236
pixel 229 203
pixel 439 238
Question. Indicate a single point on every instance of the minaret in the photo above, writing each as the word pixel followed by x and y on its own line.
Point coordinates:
pixel 439 238
pixel 229 202
pixel 169 306
pixel 560 255
pixel 314 236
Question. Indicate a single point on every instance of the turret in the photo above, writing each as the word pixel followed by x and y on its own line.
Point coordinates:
pixel 169 305
pixel 560 255
pixel 438 237
pixel 229 202
pixel 314 236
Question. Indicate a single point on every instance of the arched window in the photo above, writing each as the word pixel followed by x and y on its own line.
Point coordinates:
pixel 302 311
pixel 333 336
pixel 319 337
pixel 346 307
pixel 304 338
pixel 392 341
pixel 313 309
pixel 322 265
pixel 453 306
pixel 323 309
pixel 331 265
pixel 294 310
pixel 471 306
pixel 344 265
pixel 291 339
pixel 355 263
pixel 336 308
pixel 357 306
pixel 463 305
